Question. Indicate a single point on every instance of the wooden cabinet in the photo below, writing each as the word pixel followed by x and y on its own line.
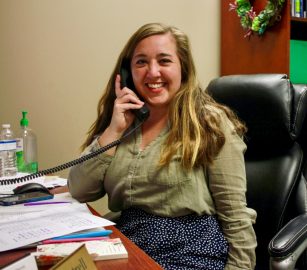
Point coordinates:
pixel 269 53
pixel 298 28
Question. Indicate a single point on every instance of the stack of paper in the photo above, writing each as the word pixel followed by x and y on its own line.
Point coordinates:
pixel 99 250
pixel 20 228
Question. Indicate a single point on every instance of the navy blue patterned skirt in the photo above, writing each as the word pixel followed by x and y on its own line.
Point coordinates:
pixel 186 243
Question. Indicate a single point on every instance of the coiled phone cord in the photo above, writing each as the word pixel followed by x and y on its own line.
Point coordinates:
pixel 70 163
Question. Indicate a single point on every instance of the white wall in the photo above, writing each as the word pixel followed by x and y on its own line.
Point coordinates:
pixel 56 57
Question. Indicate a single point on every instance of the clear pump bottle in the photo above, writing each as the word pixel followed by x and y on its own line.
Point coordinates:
pixel 26 147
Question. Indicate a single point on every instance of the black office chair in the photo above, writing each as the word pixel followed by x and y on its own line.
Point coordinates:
pixel 290 242
pixel 276 188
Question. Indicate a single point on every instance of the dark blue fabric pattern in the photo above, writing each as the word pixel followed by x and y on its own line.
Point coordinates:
pixel 185 243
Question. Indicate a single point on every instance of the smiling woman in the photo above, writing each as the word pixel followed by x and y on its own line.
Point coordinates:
pixel 58 55
pixel 179 180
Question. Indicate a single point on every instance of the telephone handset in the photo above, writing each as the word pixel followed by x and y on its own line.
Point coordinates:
pixel 126 81
pixel 142 114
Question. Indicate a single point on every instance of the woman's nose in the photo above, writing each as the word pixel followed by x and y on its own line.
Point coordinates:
pixel 153 70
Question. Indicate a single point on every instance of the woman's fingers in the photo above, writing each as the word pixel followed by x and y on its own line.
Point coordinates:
pixel 129 99
pixel 126 95
pixel 126 101
pixel 118 91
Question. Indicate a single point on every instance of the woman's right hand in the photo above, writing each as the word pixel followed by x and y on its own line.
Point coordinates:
pixel 122 117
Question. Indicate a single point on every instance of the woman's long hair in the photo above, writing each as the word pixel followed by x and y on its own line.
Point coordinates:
pixel 195 130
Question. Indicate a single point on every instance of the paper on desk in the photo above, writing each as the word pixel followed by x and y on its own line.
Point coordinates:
pixel 37 226
pixel 19 211
pixel 99 250
pixel 26 263
pixel 47 181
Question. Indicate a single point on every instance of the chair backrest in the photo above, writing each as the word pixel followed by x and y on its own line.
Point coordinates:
pixel 267 105
pixel 300 103
pixel 300 91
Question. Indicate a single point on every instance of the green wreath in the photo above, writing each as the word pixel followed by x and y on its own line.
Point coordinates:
pixel 254 23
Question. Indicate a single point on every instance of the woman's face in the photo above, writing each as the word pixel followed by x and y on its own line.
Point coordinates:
pixel 156 69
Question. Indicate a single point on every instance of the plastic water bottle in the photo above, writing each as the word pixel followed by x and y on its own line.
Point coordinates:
pixel 7 151
pixel 26 147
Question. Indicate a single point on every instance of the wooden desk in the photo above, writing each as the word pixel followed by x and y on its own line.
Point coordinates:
pixel 137 258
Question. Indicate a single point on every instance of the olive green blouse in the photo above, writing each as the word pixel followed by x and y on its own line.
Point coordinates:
pixel 132 178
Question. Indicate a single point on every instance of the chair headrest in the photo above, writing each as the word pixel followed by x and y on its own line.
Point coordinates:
pixel 267 105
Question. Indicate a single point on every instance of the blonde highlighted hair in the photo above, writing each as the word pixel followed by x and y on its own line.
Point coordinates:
pixel 195 130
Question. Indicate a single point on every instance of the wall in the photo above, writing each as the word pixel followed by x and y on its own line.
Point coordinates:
pixel 56 56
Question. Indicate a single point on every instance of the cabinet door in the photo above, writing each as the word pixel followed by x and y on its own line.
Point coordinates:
pixel 258 54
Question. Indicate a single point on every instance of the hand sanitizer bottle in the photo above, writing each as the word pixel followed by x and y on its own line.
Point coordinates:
pixel 26 147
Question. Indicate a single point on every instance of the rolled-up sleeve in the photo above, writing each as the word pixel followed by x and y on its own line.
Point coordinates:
pixel 227 181
pixel 85 180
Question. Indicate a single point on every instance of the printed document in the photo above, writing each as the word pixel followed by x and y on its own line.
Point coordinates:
pixel 30 227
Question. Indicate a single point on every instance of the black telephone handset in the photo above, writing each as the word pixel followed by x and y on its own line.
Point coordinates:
pixel 126 81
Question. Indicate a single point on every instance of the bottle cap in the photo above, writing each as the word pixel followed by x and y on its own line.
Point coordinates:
pixel 24 122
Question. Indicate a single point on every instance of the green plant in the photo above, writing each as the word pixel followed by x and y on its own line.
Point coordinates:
pixel 254 23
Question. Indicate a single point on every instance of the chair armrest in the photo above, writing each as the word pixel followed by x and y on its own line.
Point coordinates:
pixel 288 244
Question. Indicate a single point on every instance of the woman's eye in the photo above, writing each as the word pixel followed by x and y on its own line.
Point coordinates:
pixel 165 61
pixel 140 62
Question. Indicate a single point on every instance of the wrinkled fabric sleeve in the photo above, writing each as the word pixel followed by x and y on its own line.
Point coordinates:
pixel 85 180
pixel 227 182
